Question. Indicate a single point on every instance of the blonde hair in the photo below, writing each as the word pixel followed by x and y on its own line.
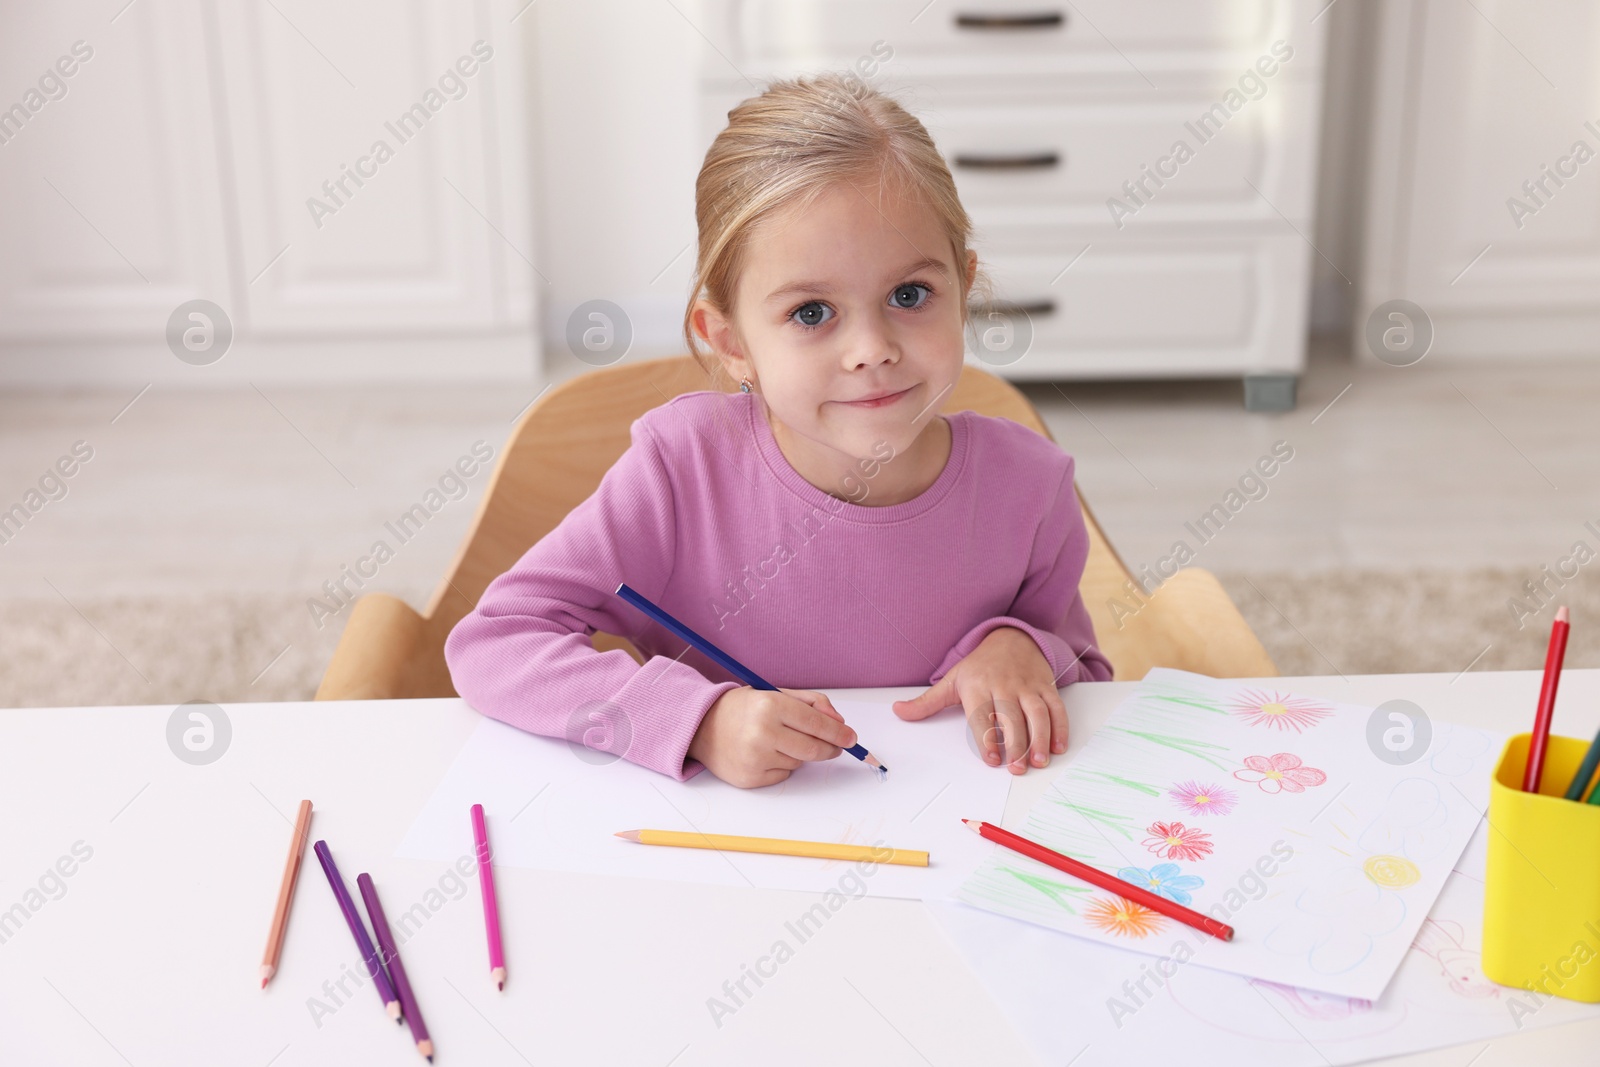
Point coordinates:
pixel 783 148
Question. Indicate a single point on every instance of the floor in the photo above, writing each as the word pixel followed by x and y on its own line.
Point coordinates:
pixel 215 518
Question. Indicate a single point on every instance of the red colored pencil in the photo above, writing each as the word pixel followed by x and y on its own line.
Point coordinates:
pixel 1095 876
pixel 491 908
pixel 1547 701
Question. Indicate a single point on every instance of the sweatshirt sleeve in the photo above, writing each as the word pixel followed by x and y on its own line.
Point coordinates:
pixel 1049 607
pixel 524 654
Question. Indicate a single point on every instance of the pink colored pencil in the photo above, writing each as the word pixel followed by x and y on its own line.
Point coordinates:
pixel 491 909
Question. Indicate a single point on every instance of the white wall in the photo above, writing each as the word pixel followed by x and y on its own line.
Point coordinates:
pixel 615 160
pixel 1342 167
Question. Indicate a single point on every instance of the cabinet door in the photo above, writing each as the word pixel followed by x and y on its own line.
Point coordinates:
pixel 109 179
pixel 364 159
pixel 1473 117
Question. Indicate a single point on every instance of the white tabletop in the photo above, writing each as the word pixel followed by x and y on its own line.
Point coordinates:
pixel 147 954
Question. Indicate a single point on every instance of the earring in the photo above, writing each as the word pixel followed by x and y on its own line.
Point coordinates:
pixel 744 385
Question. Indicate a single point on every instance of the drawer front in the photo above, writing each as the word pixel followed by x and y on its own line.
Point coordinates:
pixel 1205 304
pixel 1186 155
pixel 1137 37
pixel 1022 160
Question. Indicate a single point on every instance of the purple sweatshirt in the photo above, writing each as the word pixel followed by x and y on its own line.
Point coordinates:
pixel 704 516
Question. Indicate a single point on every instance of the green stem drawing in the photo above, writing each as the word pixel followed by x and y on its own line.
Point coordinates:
pixel 1182 744
pixel 1203 705
pixel 1119 823
pixel 1048 887
pixel 1147 790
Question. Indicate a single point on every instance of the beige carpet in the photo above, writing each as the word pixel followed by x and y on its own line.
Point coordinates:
pixel 248 648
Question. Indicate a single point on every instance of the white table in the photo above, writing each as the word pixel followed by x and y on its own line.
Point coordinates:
pixel 150 955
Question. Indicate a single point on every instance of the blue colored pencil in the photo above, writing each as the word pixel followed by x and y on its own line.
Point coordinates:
pixel 725 661
pixel 1580 781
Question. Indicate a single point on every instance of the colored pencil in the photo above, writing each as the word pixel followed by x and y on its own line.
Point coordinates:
pixel 777 846
pixel 1580 781
pixel 491 906
pixel 291 875
pixel 391 960
pixel 1097 877
pixel 726 662
pixel 352 919
pixel 1540 737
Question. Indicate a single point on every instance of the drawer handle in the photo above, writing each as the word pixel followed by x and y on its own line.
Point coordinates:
pixel 1020 161
pixel 1041 20
pixel 1011 307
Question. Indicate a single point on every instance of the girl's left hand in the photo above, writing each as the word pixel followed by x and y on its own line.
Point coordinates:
pixel 1010 697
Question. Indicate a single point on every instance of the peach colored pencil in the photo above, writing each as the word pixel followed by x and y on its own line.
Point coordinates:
pixel 291 873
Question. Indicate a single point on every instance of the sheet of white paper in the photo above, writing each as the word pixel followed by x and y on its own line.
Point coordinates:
pixel 555 806
pixel 1286 817
pixel 1077 1002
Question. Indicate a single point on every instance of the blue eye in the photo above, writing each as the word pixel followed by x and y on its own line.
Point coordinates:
pixel 911 286
pixel 811 317
pixel 809 309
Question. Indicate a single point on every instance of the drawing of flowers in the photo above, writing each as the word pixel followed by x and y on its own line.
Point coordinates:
pixel 1280 773
pixel 1122 917
pixel 1164 880
pixel 1203 799
pixel 1175 841
pixel 1282 711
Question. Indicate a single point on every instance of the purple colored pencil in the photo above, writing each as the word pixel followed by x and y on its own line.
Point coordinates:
pixel 352 918
pixel 397 970
pixel 491 908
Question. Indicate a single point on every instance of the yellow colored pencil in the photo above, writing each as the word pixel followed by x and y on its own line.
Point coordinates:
pixel 777 846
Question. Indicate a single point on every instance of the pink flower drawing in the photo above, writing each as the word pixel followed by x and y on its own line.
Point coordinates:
pixel 1281 711
pixel 1282 773
pixel 1175 841
pixel 1200 799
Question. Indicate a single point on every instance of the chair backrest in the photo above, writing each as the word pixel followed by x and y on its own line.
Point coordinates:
pixel 568 438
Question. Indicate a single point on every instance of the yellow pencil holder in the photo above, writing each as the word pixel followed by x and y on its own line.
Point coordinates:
pixel 1541 897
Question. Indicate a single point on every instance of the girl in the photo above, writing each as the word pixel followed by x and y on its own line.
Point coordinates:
pixel 825 525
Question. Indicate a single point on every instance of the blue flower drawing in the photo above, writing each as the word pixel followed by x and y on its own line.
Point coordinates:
pixel 1164 880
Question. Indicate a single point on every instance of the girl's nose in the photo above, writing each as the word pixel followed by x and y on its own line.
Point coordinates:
pixel 871 344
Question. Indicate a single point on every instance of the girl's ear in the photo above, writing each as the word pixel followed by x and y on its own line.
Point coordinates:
pixel 717 331
pixel 972 269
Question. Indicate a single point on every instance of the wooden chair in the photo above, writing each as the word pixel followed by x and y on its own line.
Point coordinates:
pixel 569 437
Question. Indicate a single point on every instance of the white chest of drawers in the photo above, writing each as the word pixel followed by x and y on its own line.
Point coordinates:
pixel 1116 252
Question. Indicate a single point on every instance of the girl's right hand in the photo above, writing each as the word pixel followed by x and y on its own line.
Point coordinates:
pixel 754 737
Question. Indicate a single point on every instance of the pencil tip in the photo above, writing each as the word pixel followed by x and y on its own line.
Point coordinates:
pixel 263 983
pixel 1561 613
pixel 501 986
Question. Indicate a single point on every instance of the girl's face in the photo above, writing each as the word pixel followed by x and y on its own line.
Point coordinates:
pixel 853 298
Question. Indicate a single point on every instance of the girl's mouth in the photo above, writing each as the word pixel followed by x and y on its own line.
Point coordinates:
pixel 882 401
